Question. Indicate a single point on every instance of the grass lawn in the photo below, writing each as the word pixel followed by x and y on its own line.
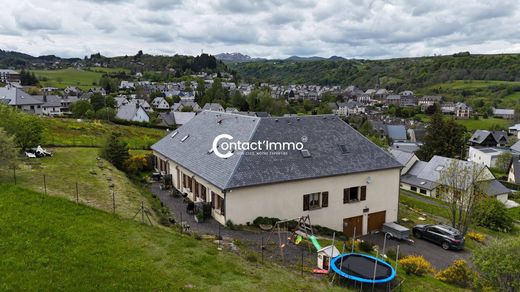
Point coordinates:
pixel 52 244
pixel 94 177
pixel 485 124
pixel 70 132
pixel 109 70
pixel 68 77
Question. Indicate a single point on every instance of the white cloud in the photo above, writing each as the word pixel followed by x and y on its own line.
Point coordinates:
pixel 268 28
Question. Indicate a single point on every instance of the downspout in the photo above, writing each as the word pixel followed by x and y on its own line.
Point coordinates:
pixel 225 209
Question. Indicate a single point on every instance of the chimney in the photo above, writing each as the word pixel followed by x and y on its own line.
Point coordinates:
pixel 44 97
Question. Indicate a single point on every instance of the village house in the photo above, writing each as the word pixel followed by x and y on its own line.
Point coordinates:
pixel 8 76
pixel 159 103
pixel 487 156
pixel 425 178
pixel 133 112
pixel 349 108
pixel 485 138
pixel 429 100
pixel 462 111
pixel 503 113
pixel 180 106
pixel 513 175
pixel 213 107
pixel 16 97
pixel 170 119
pixel 339 178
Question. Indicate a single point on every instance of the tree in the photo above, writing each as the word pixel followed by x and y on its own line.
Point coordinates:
pixel 462 185
pixel 8 156
pixel 97 101
pixel 445 138
pixel 503 161
pixel 115 150
pixel 80 108
pixel 106 113
pixel 498 266
pixel 492 213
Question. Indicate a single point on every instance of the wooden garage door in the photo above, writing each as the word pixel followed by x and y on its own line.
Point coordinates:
pixel 376 220
pixel 353 222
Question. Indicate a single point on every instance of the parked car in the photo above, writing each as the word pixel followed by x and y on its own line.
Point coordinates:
pixel 447 237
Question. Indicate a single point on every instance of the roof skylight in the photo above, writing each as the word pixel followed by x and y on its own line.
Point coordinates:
pixel 184 138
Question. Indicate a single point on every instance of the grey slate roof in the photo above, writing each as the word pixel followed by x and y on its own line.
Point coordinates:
pixel 324 135
pixel 18 97
pixel 127 112
pixel 213 107
pixel 516 146
pixel 480 136
pixel 49 100
pixel 401 156
pixel 396 132
pixel 494 188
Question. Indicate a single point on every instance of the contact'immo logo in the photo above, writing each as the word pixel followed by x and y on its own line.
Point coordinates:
pixel 224 146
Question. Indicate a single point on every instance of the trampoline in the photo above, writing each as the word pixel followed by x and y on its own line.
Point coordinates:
pixel 360 267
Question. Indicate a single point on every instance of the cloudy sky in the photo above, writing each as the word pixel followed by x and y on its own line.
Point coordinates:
pixel 269 28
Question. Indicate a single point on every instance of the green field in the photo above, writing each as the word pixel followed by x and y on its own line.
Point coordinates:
pixel 52 244
pixel 485 124
pixel 68 77
pixel 69 166
pixel 71 132
pixel 466 84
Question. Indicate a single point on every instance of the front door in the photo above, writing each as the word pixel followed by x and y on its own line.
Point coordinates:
pixel 376 221
pixel 353 224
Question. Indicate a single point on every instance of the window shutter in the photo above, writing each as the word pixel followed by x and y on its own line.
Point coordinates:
pixel 306 202
pixel 324 199
pixel 363 193
pixel 346 195
pixel 213 200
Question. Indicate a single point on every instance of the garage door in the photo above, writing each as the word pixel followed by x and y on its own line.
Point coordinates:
pixel 349 224
pixel 376 221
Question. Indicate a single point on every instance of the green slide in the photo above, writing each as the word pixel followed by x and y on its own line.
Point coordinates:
pixel 315 242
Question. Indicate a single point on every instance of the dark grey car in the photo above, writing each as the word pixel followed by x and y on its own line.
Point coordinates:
pixel 447 237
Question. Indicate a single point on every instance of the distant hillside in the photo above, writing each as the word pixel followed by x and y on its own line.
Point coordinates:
pixel 140 62
pixel 235 58
pixel 397 74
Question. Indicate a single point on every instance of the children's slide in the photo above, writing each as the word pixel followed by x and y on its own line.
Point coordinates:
pixel 315 242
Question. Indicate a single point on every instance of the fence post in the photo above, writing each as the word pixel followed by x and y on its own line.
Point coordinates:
pixel 77 193
pixel 45 184
pixel 113 202
pixel 142 211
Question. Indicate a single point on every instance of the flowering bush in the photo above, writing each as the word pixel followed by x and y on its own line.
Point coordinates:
pixel 458 274
pixel 416 265
pixel 478 237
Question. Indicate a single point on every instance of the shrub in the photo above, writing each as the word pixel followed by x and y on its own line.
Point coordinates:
pixel 366 246
pixel 392 252
pixel 492 214
pixel 230 225
pixel 416 265
pixel 265 221
pixel 497 265
pixel 478 237
pixel 137 163
pixel 458 274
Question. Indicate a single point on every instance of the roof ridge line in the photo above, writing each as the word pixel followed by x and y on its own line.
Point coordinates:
pixel 242 156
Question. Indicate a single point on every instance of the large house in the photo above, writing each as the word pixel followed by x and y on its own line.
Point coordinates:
pixel 332 172
pixel 462 110
pixel 7 76
pixel 487 156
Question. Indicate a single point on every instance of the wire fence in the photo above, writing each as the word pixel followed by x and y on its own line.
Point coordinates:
pixel 101 193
